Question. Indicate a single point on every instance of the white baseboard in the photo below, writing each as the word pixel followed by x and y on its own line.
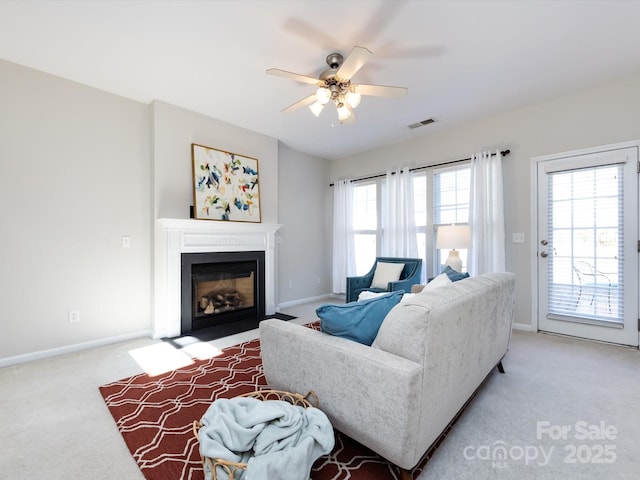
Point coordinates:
pixel 29 357
pixel 301 301
pixel 523 327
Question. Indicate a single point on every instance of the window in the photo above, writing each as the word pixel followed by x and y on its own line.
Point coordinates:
pixel 585 232
pixel 422 220
pixel 365 228
pixel 451 190
pixel 448 204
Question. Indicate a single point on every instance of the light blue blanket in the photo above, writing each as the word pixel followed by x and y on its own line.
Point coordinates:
pixel 275 438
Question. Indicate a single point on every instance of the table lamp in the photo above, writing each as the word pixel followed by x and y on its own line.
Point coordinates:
pixel 452 237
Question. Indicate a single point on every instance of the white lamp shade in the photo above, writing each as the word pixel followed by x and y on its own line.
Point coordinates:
pixel 453 236
pixel 323 95
pixel 343 112
pixel 353 99
pixel 316 108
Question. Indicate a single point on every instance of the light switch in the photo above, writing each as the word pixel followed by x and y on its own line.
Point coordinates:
pixel 517 237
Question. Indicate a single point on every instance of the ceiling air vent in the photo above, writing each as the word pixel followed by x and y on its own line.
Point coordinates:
pixel 422 123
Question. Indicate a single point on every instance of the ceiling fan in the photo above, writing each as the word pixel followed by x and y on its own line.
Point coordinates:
pixel 335 85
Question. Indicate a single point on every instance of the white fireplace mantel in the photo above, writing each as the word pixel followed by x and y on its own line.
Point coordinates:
pixel 173 237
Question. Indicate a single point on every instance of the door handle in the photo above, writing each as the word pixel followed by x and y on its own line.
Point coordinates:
pixel 544 254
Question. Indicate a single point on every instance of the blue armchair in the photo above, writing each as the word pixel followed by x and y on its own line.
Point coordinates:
pixel 409 276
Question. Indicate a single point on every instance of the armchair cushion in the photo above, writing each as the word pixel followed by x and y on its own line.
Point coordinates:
pixel 357 321
pixel 385 273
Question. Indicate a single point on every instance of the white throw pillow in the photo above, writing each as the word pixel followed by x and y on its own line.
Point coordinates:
pixel 366 295
pixel 440 281
pixel 385 273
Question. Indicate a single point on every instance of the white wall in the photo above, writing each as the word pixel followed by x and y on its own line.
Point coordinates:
pixel 80 168
pixel 74 178
pixel 77 173
pixel 293 192
pixel 175 129
pixel 597 116
pixel 304 249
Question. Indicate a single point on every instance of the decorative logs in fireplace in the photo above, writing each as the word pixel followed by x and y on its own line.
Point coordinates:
pixel 215 302
pixel 217 290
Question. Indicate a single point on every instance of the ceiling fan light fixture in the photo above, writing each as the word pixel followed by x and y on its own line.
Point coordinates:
pixel 343 112
pixel 316 108
pixel 334 85
pixel 353 99
pixel 323 95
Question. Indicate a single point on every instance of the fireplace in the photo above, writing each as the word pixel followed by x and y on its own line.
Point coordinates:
pixel 222 291
pixel 175 237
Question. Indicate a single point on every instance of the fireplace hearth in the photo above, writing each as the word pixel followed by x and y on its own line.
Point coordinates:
pixel 222 292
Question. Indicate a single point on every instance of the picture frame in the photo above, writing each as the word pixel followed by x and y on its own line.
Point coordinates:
pixel 225 185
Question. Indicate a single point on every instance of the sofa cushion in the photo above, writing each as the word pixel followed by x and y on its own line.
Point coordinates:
pixel 453 275
pixel 357 321
pixel 385 273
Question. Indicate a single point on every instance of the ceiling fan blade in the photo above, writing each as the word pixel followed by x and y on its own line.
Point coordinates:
pixel 302 103
pixel 354 62
pixel 293 76
pixel 380 90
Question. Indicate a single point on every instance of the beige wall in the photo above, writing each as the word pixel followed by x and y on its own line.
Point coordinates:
pixel 304 265
pixel 175 129
pixel 80 168
pixel 74 178
pixel 597 116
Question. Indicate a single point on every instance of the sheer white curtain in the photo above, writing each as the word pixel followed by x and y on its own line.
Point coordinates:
pixel 344 264
pixel 398 221
pixel 486 214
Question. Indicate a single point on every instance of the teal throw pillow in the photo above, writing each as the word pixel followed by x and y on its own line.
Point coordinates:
pixel 453 275
pixel 357 321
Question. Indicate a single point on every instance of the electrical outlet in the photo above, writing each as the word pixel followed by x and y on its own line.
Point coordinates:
pixel 290 284
pixel 74 316
pixel 126 241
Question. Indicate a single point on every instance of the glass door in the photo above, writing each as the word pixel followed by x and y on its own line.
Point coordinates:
pixel 587 245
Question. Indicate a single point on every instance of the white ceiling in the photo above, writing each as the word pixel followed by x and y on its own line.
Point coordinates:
pixel 459 59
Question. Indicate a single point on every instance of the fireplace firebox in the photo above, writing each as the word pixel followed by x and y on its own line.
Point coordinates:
pixel 222 292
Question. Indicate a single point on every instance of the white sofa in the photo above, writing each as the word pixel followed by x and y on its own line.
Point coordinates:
pixel 398 395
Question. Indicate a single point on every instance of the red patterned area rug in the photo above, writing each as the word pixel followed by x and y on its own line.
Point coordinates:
pixel 155 417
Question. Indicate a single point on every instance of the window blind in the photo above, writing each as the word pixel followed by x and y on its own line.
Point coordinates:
pixel 585 245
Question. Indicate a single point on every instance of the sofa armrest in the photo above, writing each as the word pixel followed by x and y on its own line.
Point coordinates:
pixel 368 394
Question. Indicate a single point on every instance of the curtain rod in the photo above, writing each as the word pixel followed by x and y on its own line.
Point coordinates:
pixel 504 153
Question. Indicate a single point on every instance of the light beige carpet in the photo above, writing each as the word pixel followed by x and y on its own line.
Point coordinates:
pixel 54 421
pixel 565 408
